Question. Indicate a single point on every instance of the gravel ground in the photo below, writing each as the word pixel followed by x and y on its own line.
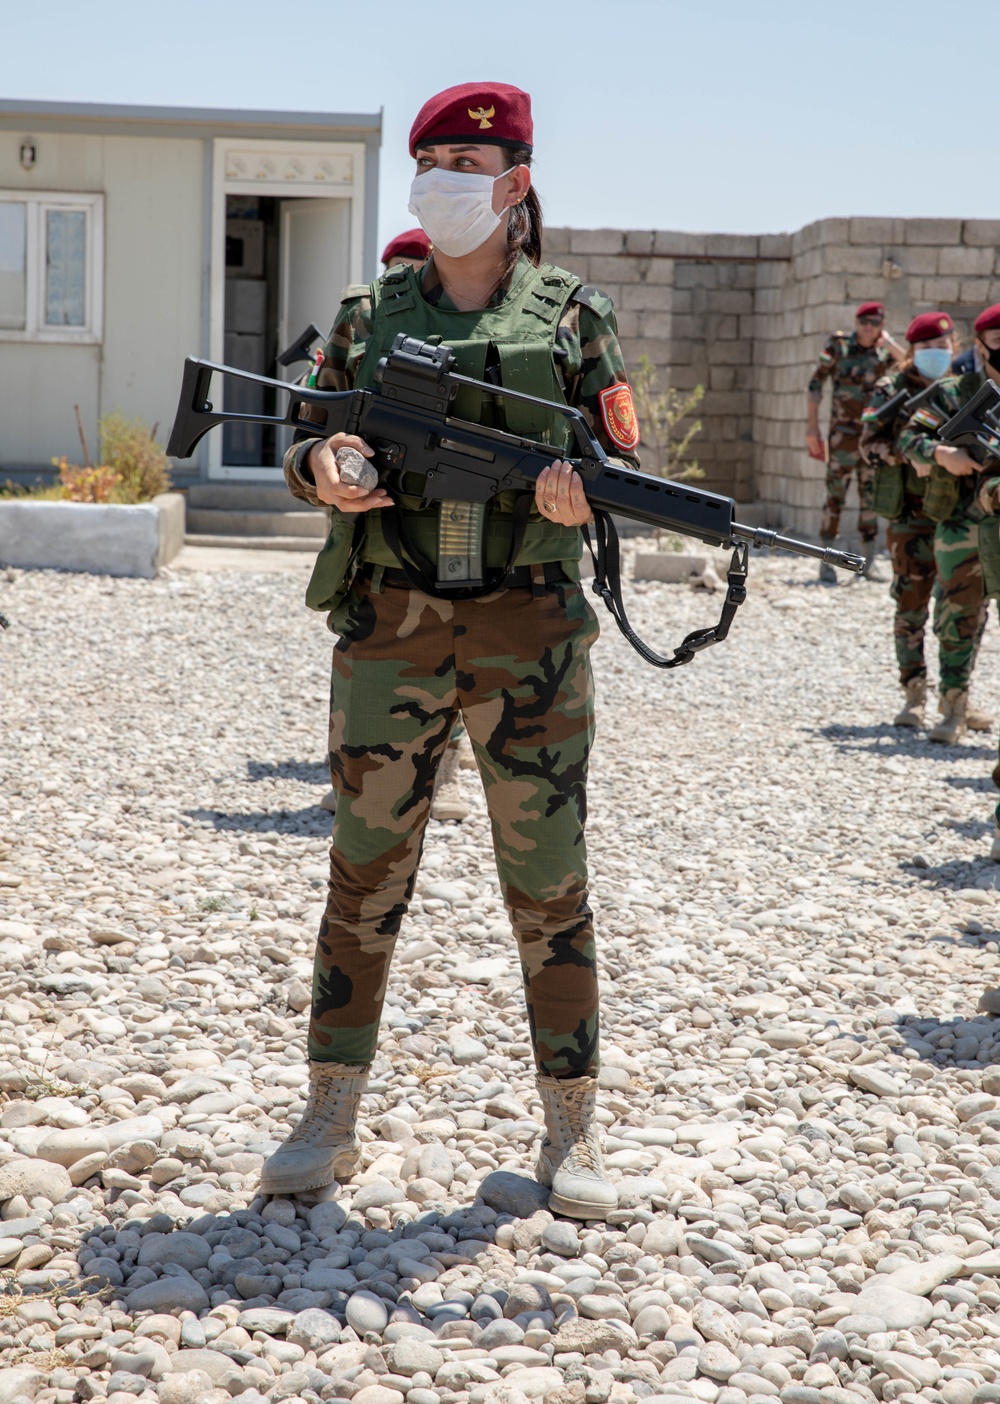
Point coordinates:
pixel 801 1101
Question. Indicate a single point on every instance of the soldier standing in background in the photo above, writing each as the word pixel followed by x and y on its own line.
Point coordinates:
pixel 952 498
pixel 898 493
pixel 412 247
pixel 852 362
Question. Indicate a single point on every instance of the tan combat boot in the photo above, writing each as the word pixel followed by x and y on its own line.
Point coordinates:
pixel 951 727
pixel 447 801
pixel 466 755
pixel 324 1146
pixel 976 720
pixel 912 713
pixel 569 1161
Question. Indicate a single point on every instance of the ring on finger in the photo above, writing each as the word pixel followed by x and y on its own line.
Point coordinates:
pixel 549 506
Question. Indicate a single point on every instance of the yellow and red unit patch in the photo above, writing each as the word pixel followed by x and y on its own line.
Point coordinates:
pixel 618 413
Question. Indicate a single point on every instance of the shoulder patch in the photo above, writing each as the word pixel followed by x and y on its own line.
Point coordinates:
pixel 354 290
pixel 593 298
pixel 618 414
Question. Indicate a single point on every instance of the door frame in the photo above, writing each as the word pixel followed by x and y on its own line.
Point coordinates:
pixel 246 166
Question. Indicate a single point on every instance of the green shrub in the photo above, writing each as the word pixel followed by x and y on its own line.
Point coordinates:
pixel 139 463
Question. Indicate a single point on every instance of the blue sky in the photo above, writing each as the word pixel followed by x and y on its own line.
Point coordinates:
pixel 648 113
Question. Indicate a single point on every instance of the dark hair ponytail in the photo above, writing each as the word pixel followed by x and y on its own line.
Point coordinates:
pixel 524 228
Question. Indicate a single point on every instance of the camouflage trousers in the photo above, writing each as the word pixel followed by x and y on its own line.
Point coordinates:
pixel 960 607
pixel 844 459
pixel 515 668
pixel 910 539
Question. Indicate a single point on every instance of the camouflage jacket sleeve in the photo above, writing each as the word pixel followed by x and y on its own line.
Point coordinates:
pixel 342 351
pixel 918 438
pixel 588 333
pixel 825 367
pixel 878 439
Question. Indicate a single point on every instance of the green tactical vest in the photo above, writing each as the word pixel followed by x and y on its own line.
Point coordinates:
pixel 945 494
pixel 515 342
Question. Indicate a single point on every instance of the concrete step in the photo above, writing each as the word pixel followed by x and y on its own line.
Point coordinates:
pixel 210 521
pixel 254 543
pixel 260 497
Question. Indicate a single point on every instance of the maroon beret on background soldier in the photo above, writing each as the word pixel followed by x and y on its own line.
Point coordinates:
pixel 928 326
pixel 988 319
pixel 490 114
pixel 414 243
pixel 870 309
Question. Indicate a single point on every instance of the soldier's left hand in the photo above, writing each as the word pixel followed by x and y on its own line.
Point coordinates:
pixel 559 495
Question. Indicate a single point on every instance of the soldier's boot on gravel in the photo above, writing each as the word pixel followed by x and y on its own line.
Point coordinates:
pixel 466 755
pixel 976 720
pixel 951 727
pixel 569 1161
pixel 871 570
pixel 447 801
pixel 912 713
pixel 324 1146
pixel 827 574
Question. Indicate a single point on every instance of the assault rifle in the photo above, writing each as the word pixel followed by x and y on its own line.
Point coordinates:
pixel 903 402
pixel 977 424
pixel 407 420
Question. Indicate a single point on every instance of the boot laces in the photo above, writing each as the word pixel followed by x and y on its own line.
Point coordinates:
pixel 574 1125
pixel 329 1107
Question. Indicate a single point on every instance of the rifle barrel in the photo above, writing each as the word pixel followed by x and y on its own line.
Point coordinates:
pixel 771 541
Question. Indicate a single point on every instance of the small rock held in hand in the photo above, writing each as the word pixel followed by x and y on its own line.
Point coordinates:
pixel 355 469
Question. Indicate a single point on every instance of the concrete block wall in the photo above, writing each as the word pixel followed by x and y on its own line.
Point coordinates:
pixel 911 265
pixel 746 316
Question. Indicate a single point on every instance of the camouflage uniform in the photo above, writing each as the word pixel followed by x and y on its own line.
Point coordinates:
pixel 909 536
pixel 960 606
pixel 515 667
pixel 853 371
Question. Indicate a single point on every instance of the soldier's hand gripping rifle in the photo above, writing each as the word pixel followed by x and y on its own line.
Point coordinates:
pixel 406 420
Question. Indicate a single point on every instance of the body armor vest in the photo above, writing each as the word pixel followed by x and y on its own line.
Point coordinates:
pixel 512 345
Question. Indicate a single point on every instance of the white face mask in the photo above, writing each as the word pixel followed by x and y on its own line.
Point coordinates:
pixel 455 208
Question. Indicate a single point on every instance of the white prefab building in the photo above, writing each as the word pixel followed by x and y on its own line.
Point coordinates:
pixel 131 237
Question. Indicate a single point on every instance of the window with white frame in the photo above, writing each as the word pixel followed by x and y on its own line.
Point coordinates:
pixel 51 258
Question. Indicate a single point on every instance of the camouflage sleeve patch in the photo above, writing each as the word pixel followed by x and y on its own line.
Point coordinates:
pixel 601 367
pixel 824 367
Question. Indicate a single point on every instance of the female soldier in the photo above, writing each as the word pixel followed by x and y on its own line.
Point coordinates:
pixel 898 494
pixel 513 662
pixel 951 499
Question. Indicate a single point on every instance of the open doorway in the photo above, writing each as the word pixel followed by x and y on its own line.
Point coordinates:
pixel 287 261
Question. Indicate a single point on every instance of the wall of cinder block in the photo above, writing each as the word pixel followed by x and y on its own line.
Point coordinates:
pixel 746 316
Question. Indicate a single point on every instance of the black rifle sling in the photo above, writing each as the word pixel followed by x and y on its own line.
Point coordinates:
pixel 420 572
pixel 608 584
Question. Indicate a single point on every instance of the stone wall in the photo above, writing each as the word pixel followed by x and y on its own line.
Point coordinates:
pixel 746 316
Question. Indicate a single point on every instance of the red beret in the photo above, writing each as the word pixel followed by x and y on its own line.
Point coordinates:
pixel 493 114
pixel 989 319
pixel 413 244
pixel 928 326
pixel 870 309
